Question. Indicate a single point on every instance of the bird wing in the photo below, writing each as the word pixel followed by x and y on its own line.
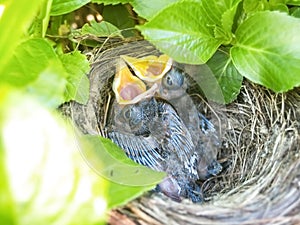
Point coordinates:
pixel 208 149
pixel 178 138
pixel 142 150
pixel 205 125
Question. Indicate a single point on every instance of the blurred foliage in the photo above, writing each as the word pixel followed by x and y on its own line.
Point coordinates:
pixel 43 65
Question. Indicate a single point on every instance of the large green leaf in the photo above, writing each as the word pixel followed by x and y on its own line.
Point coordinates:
pixel 60 7
pixel 229 80
pixel 36 67
pixel 29 60
pixel 111 162
pixel 181 32
pixel 252 6
pixel 78 85
pixel 148 9
pixel 111 2
pixel 12 27
pixel 293 2
pixel 267 50
pixel 49 87
pixel 219 15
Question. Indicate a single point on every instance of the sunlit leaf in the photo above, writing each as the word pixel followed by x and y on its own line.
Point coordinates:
pixel 11 27
pixel 181 32
pixel 50 85
pixel 219 15
pixel 293 2
pixel 251 6
pixel 111 162
pixel 102 29
pixel 29 60
pixel 148 9
pixel 123 194
pixel 265 54
pixel 60 7
pixel 77 67
pixel 111 2
pixel 281 7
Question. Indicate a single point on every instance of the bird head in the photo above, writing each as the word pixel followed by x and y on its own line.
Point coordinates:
pixel 128 88
pixel 150 68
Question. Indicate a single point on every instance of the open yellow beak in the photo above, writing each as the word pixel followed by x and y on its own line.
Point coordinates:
pixel 149 68
pixel 129 89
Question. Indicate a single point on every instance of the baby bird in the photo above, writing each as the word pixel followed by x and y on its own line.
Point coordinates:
pixel 150 68
pixel 128 88
pixel 152 134
pixel 173 85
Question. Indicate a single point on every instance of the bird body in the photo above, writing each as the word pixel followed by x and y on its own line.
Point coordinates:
pixel 174 88
pixel 155 136
pixel 161 126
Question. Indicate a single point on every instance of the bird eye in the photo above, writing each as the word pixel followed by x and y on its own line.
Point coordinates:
pixel 169 80
pixel 132 114
pixel 127 113
pixel 173 80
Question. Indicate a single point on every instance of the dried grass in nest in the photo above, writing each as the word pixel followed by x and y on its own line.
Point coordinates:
pixel 260 146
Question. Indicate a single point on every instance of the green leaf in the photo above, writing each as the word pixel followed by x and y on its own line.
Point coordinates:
pixel 122 194
pixel 251 6
pixel 181 32
pixel 40 24
pixel 60 7
pixel 111 162
pixel 293 2
pixel 102 29
pixel 265 53
pixel 111 2
pixel 78 84
pixel 279 7
pixel 29 60
pixel 229 80
pixel 219 15
pixel 56 187
pixel 50 85
pixel 7 205
pixel 295 11
pixel 148 9
pixel 13 29
pixel 119 16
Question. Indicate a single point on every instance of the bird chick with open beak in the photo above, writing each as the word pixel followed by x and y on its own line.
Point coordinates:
pixel 150 68
pixel 128 88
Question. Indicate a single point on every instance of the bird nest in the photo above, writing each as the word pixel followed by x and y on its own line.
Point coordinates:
pixel 260 149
